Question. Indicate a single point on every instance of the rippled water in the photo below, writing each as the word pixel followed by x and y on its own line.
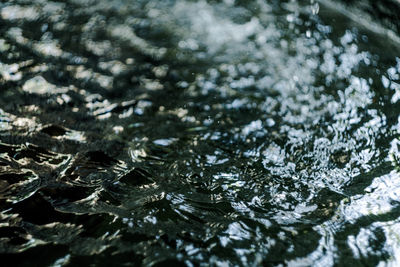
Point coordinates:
pixel 197 132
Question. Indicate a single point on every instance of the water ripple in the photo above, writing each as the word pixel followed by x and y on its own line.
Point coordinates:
pixel 196 133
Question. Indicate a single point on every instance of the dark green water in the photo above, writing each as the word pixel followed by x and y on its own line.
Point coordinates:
pixel 222 133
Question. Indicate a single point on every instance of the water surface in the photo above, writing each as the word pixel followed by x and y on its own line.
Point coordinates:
pixel 197 133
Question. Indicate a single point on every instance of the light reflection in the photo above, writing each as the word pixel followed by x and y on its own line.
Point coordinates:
pixel 276 121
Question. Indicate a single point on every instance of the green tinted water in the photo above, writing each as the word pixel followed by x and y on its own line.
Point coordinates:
pixel 197 132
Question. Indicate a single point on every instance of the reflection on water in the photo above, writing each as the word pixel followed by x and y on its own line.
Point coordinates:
pixel 199 132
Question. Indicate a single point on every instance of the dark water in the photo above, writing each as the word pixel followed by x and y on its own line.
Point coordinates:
pixel 197 133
